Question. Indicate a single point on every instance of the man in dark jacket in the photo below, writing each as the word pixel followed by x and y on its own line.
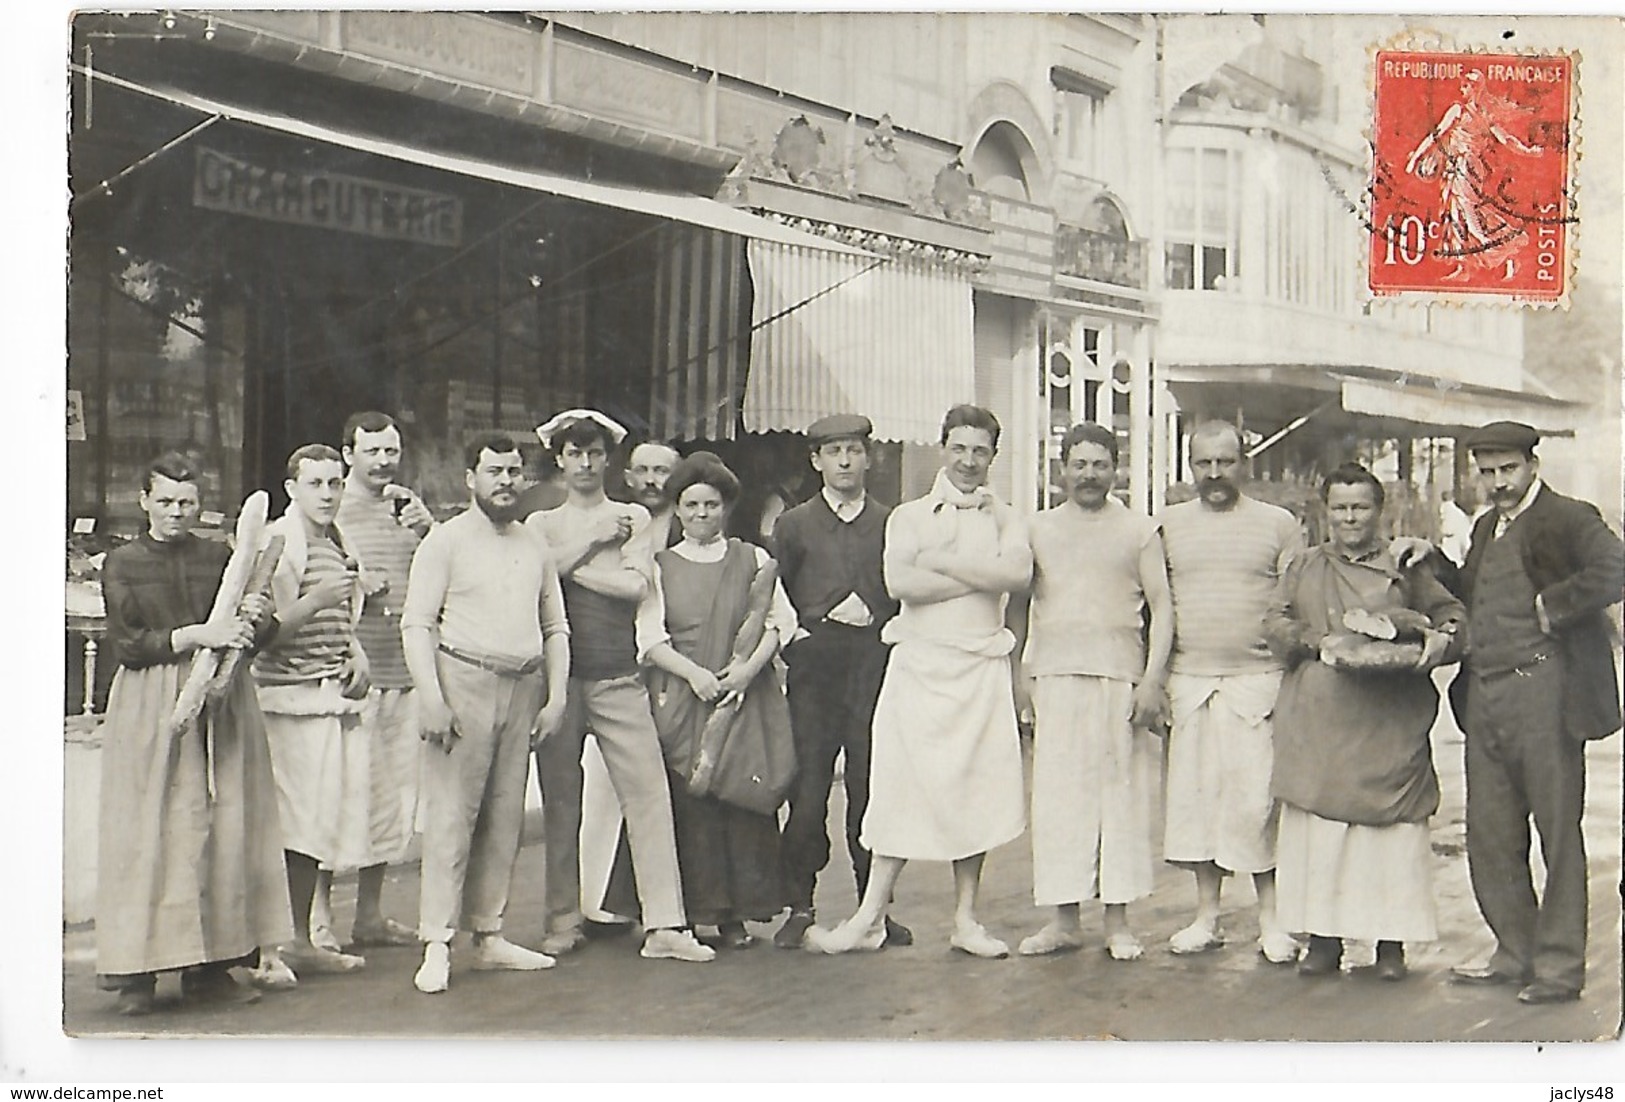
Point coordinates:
pixel 829 551
pixel 1539 682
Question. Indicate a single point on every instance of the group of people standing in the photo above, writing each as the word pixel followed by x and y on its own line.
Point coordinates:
pixel 405 672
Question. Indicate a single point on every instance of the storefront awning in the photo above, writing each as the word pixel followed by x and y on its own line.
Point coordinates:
pixel 1273 395
pixel 1454 409
pixel 692 209
pixel 890 339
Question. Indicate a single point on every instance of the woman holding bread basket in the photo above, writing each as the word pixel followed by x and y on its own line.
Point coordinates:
pixel 1353 766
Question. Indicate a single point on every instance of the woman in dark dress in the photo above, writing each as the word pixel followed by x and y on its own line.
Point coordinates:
pixel 728 854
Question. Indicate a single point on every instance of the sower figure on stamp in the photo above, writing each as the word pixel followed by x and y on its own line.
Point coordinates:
pixel 313 686
pixel 488 647
pixel 829 552
pixel 1098 576
pixel 1538 682
pixel 1226 551
pixel 190 871
pixel 648 466
pixel 945 779
pixel 382 522
pixel 607 587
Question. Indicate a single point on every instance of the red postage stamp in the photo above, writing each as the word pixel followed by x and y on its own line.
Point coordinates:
pixel 1471 170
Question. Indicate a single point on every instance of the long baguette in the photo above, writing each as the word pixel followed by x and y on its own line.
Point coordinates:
pixel 233 584
pixel 258 582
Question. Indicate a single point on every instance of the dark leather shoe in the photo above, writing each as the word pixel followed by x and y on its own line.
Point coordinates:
pixel 215 987
pixel 136 1002
pixel 1324 957
pixel 790 935
pixel 1548 991
pixel 898 934
pixel 1481 975
pixel 1390 964
pixel 597 930
pixel 733 935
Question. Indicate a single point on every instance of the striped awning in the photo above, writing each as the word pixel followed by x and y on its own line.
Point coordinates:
pixel 888 338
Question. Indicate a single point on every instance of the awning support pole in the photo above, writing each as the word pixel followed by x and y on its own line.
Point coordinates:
pixel 1293 426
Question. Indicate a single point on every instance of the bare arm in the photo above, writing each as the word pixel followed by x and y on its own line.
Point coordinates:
pixel 1159 602
pixel 555 625
pixel 1516 143
pixel 619 583
pixel 1438 132
pixel 575 555
pixel 907 581
pixel 1008 570
pixel 1149 709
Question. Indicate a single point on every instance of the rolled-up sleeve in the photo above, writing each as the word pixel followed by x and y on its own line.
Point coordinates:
pixel 650 626
pixel 781 617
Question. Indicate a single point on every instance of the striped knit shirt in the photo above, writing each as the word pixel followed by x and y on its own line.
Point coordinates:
pixel 319 648
pixel 382 545
pixel 1222 567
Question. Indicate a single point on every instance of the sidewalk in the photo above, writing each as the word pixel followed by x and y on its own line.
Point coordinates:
pixel 927 992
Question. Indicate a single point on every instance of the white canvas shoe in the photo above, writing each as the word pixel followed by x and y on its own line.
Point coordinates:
pixel 434 974
pixel 497 954
pixel 675 945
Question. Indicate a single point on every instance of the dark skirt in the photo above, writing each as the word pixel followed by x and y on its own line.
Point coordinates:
pixel 728 858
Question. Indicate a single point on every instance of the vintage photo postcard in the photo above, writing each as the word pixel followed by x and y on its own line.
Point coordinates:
pixel 841 527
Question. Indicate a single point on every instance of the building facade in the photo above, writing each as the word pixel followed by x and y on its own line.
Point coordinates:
pixel 468 219
pixel 1265 320
pixel 720 227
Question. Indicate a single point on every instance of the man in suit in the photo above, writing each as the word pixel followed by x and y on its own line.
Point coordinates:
pixel 1538 683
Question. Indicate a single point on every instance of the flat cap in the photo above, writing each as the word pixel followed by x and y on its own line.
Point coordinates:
pixel 839 426
pixel 1511 436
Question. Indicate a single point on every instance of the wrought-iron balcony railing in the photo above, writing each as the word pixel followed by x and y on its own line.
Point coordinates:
pixel 1089 254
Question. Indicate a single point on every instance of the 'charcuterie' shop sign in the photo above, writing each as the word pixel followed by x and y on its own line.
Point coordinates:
pixel 326 200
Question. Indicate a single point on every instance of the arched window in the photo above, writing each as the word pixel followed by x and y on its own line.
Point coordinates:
pixel 997 166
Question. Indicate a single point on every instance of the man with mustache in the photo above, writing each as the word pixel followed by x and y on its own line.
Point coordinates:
pixel 647 469
pixel 382 522
pixel 1098 577
pixel 488 647
pixel 1225 551
pixel 1538 683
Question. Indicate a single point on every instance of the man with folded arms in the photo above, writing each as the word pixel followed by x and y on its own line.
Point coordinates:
pixel 488 647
